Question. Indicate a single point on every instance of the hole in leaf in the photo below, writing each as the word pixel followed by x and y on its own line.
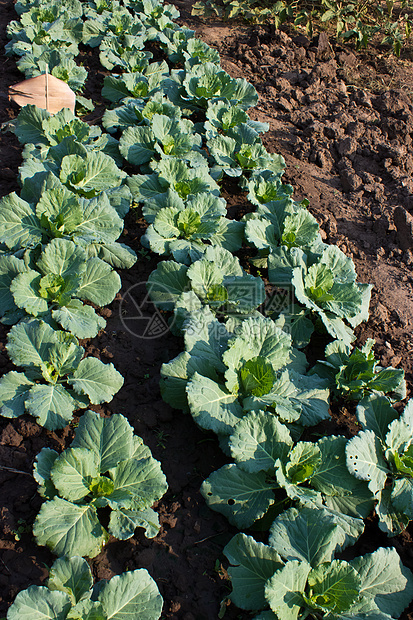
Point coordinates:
pixel 231 502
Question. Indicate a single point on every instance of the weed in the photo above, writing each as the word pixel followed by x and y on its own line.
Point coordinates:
pixel 223 608
pixel 23 528
pixel 161 437
pixel 353 20
pixel 144 254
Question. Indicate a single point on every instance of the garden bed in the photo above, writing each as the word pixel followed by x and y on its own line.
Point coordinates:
pixel 344 123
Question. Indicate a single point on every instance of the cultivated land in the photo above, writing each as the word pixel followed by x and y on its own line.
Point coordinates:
pixel 344 123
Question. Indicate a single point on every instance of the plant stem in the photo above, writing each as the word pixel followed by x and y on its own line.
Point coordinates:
pixel 16 471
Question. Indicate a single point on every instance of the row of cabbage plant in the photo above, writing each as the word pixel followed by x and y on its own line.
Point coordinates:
pixel 59 248
pixel 253 384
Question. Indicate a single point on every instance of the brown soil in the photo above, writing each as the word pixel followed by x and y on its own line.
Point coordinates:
pixel 344 123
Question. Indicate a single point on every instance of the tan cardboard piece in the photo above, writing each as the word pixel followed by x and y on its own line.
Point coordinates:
pixel 45 91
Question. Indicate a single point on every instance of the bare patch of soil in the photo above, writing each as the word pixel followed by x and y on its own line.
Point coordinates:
pixel 344 123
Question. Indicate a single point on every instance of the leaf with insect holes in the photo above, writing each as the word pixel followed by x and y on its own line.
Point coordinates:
pixel 365 460
pixel 383 456
pixel 242 497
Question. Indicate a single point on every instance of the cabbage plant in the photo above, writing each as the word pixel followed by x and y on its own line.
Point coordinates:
pixel 70 593
pixel 48 137
pixel 154 77
pixel 266 186
pixel 139 112
pixel 105 466
pixel 174 42
pixel 54 286
pixel 127 54
pixel 101 21
pixel 57 63
pixel 325 283
pixel 74 6
pixel 85 173
pixel 91 223
pixel 222 117
pixel 355 373
pixel 62 33
pixel 175 176
pixel 185 228
pixel 221 376
pixel 279 219
pixel 216 280
pixel 296 574
pixel 155 14
pixel 240 150
pixel 57 379
pixel 282 222
pixel 382 454
pixel 196 52
pixel 162 137
pixel 193 88
pixel 269 470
